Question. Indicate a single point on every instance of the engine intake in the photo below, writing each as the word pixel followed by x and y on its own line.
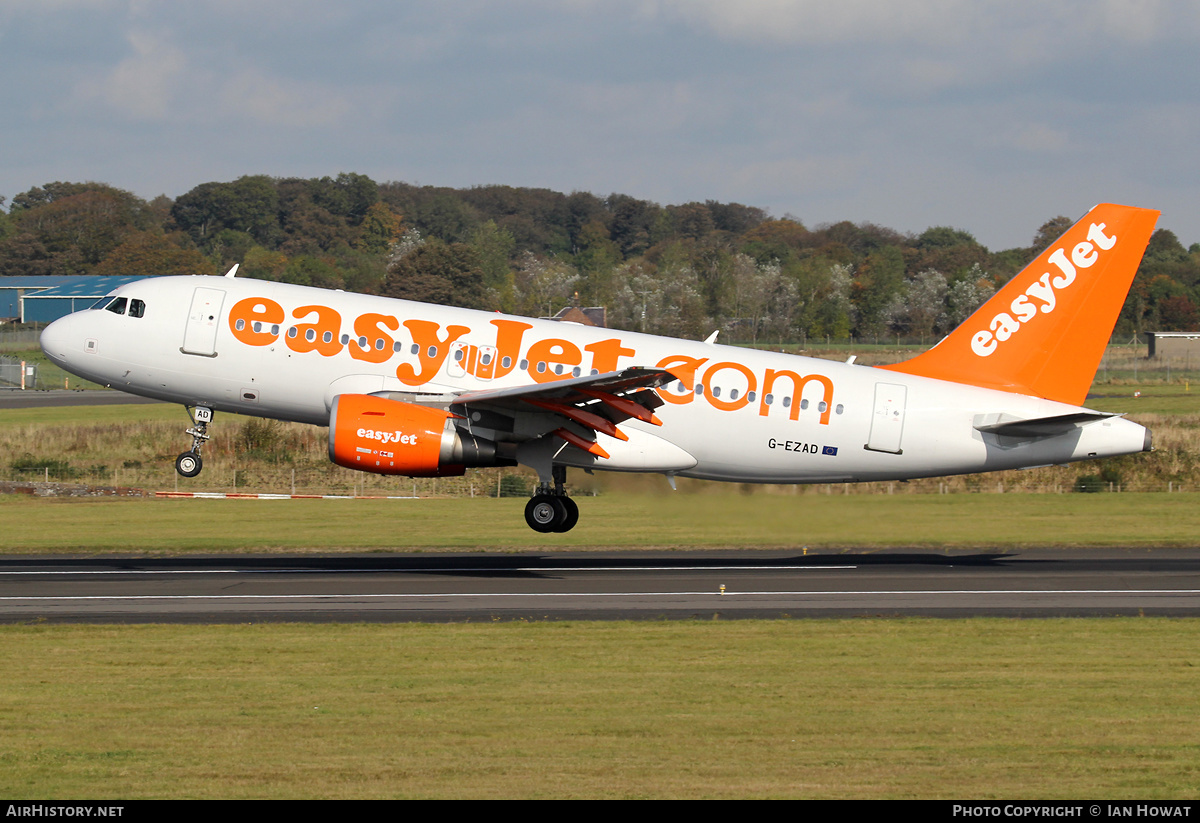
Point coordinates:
pixel 388 437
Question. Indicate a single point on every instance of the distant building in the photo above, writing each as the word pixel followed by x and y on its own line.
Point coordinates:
pixel 1174 344
pixel 47 298
pixel 13 289
pixel 591 316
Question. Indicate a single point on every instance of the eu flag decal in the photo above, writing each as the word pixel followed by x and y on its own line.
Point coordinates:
pixel 829 450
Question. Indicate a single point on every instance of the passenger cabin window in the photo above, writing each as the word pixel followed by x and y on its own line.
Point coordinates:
pixel 117 306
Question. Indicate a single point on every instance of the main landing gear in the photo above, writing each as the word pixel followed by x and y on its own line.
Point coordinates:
pixel 550 510
pixel 189 463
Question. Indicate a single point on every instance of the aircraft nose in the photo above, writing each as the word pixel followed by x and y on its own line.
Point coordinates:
pixel 55 340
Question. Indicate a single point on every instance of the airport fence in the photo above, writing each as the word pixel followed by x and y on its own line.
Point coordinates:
pixel 22 338
pixel 15 373
pixel 256 479
pixel 518 482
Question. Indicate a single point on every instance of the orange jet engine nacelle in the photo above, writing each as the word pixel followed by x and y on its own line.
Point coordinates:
pixel 374 434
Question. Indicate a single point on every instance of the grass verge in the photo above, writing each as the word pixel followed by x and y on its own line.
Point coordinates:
pixel 114 525
pixel 988 708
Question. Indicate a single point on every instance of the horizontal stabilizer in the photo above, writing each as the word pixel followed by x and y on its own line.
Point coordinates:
pixel 1039 427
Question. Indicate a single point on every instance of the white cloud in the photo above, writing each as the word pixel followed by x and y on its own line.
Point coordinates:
pixel 27 6
pixel 820 21
pixel 773 180
pixel 277 101
pixel 143 84
pixel 970 22
pixel 1137 20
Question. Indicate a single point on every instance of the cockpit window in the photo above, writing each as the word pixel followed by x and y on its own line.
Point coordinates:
pixel 137 308
pixel 117 306
pixel 102 302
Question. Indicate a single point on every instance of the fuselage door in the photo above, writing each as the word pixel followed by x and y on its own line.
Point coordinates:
pixel 460 353
pixel 485 363
pixel 887 422
pixel 200 336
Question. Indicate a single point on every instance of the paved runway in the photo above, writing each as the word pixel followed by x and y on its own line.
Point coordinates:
pixel 675 585
pixel 17 399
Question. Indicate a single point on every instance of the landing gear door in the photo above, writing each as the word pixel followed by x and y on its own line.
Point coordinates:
pixel 200 336
pixel 887 422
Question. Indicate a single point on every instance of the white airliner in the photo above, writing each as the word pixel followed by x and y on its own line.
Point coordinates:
pixel 420 390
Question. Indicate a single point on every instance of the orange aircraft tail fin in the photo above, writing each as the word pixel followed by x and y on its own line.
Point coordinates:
pixel 1044 332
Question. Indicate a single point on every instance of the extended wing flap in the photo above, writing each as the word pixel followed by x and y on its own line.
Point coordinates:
pixel 595 403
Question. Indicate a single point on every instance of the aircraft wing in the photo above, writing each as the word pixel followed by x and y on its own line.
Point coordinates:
pixel 574 389
pixel 596 403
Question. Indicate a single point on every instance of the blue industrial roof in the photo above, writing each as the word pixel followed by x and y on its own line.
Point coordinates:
pixel 80 286
pixel 47 298
pixel 44 281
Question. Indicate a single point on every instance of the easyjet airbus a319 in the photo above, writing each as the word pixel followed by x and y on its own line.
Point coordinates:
pixel 420 390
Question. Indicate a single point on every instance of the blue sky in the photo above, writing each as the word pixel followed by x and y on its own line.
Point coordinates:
pixel 988 116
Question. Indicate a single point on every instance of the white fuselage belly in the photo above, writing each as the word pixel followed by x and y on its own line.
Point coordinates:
pixel 824 422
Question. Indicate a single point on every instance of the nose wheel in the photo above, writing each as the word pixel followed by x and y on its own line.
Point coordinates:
pixel 189 463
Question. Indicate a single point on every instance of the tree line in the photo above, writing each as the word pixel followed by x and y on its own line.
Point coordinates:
pixel 681 270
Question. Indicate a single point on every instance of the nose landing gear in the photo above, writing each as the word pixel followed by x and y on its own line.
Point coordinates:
pixel 189 463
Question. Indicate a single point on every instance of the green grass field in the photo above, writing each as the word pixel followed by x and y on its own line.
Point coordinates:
pixel 980 709
pixel 731 521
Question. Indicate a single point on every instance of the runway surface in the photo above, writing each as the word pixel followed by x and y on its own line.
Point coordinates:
pixel 17 399
pixel 626 585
